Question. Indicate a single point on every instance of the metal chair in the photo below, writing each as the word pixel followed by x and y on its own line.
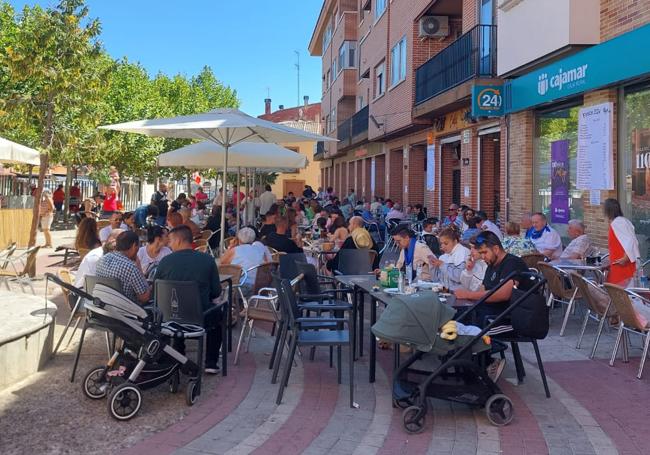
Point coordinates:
pixel 599 307
pixel 531 260
pixel 629 322
pixel 6 254
pixel 561 289
pixel 288 267
pixel 355 261
pixel 24 275
pixel 72 299
pixel 303 335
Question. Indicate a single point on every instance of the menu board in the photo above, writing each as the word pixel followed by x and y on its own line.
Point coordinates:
pixel 431 167
pixel 595 161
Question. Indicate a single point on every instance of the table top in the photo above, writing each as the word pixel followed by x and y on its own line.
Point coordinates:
pixel 577 264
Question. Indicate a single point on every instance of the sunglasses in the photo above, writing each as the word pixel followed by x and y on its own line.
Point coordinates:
pixel 480 239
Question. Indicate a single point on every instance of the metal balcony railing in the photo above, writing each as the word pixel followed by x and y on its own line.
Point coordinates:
pixel 470 56
pixel 353 129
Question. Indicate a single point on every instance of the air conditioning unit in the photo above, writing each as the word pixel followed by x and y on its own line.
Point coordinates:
pixel 434 27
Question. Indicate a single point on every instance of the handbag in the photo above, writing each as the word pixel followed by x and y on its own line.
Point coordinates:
pixel 529 319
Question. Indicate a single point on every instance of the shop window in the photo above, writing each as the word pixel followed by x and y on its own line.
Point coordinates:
pixel 558 130
pixel 635 162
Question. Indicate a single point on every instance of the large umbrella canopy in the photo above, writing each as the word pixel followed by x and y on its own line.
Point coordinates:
pixel 208 155
pixel 226 127
pixel 12 153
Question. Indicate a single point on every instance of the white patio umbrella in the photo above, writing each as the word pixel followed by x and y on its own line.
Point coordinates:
pixel 12 153
pixel 247 155
pixel 226 127
pixel 208 155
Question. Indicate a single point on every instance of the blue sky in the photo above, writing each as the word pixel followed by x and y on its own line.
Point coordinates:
pixel 249 44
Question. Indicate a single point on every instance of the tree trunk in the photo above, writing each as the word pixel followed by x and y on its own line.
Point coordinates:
pixel 189 183
pixel 48 134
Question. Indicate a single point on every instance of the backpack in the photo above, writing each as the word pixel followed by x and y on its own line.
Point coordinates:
pixel 529 319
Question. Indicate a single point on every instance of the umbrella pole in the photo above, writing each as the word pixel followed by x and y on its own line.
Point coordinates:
pixel 246 179
pixel 223 192
pixel 238 196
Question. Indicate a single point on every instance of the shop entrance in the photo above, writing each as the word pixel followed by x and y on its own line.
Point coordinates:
pixel 489 188
pixel 450 182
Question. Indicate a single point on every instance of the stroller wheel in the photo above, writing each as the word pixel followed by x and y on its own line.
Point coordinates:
pixel 499 410
pixel 192 392
pixel 95 385
pixel 413 419
pixel 124 401
pixel 402 404
pixel 174 380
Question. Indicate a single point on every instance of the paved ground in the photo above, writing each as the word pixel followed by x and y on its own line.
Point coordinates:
pixel 594 409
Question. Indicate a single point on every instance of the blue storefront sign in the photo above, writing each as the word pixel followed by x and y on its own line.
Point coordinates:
pixel 619 59
pixel 487 101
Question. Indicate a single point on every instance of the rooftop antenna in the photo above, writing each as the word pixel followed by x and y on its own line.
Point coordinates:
pixel 297 65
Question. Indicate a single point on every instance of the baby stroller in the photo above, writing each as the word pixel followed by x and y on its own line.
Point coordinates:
pixel 142 358
pixel 455 370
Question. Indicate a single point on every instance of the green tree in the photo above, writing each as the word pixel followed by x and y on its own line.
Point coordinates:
pixel 51 80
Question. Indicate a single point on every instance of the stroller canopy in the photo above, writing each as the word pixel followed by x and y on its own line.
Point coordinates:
pixel 413 320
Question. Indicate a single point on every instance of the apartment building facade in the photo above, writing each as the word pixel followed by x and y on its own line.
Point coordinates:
pixel 580 64
pixel 398 78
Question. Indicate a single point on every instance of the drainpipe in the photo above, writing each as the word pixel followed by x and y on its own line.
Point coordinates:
pixel 507 158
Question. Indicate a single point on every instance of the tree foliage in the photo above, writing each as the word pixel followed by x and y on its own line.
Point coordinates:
pixel 57 84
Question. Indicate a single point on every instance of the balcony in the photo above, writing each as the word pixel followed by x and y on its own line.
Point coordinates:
pixel 473 55
pixel 319 154
pixel 354 130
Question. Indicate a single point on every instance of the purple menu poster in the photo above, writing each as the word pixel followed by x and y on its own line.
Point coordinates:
pixel 560 182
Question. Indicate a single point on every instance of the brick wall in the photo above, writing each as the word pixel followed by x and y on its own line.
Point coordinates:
pixel 380 175
pixel 470 14
pixel 448 164
pixel 521 138
pixel 621 16
pixel 490 174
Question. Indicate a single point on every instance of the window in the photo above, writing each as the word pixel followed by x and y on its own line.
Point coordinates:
pixel 327 36
pixel 360 105
pixel 634 162
pixel 327 124
pixel 334 69
pixel 380 80
pixel 398 62
pixel 557 131
pixel 347 55
pixel 380 7
pixel 333 119
pixel 329 78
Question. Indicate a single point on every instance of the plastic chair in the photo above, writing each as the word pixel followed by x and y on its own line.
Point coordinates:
pixel 531 260
pixel 599 307
pixel 559 291
pixel 22 276
pixel 288 268
pixel 302 335
pixel 179 303
pixel 355 261
pixel 629 322
pixel 206 234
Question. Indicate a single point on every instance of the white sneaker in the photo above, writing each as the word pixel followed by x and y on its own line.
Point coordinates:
pixel 212 370
pixel 495 369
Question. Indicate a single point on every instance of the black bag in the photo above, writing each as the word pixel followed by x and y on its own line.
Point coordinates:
pixel 529 318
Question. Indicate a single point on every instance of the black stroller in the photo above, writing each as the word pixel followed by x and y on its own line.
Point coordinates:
pixel 142 356
pixel 458 371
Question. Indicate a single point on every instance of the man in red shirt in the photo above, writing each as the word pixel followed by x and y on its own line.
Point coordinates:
pixel 200 195
pixel 75 197
pixel 58 197
pixel 237 196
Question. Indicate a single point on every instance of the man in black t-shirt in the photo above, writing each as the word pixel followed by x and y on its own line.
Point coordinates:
pixel 279 240
pixel 500 265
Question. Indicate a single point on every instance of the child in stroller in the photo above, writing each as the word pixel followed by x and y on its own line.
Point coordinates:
pixel 143 357
pixel 458 361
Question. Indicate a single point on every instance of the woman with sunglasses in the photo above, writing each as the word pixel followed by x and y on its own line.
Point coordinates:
pixel 452 262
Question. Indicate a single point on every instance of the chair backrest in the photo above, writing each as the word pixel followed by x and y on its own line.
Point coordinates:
pixel 179 301
pixel 309 283
pixel 263 278
pixel 200 242
pixel 288 301
pixel 597 298
pixel 69 288
pixel 206 234
pixel 30 262
pixel 92 280
pixel 6 254
pixel 531 260
pixel 64 275
pixel 231 269
pixel 355 261
pixel 202 249
pixel 555 279
pixel 288 267
pixel 624 307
